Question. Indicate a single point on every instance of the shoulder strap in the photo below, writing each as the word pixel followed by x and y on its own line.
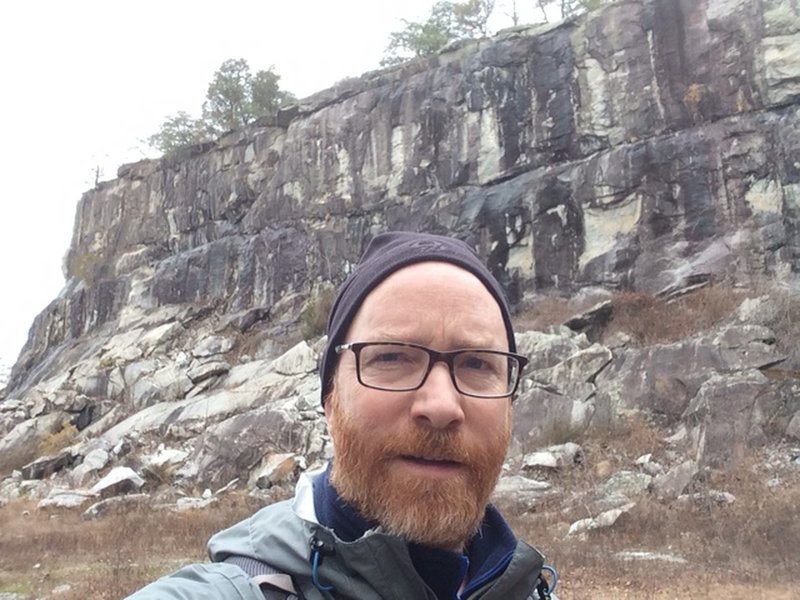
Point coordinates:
pixel 273 584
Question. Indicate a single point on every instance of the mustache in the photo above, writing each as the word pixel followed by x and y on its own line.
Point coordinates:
pixel 429 445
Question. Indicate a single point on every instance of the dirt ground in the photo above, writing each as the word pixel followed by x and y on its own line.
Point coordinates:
pixel 106 559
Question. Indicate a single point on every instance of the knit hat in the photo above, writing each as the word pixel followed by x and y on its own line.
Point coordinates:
pixel 390 252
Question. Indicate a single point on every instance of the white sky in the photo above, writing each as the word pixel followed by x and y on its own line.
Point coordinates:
pixel 85 81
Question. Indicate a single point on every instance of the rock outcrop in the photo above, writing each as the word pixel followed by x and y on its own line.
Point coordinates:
pixel 651 146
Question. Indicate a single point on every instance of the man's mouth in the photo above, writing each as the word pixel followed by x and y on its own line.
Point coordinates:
pixel 431 462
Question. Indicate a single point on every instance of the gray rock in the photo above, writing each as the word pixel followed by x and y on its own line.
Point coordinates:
pixel 158 337
pixel 603 520
pixel 278 468
pixel 120 480
pixel 299 360
pixel 93 462
pixel 520 491
pixel 649 556
pixel 164 384
pixel 45 466
pixel 554 457
pixel 165 456
pixel 203 371
pixel 184 504
pixel 675 481
pixel 235 446
pixel 628 483
pixel 540 460
pixel 728 410
pixel 546 350
pixel 793 429
pixel 60 498
pixel 103 507
pixel 212 346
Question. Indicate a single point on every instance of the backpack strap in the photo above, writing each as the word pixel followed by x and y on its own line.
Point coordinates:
pixel 544 588
pixel 273 584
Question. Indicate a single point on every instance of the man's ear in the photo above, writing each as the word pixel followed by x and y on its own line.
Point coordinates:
pixel 327 408
pixel 328 403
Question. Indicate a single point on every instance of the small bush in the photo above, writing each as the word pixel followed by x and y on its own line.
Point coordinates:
pixel 649 319
pixel 547 311
pixel 58 440
pixel 316 311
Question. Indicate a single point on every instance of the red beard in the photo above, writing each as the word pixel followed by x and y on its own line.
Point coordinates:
pixel 439 512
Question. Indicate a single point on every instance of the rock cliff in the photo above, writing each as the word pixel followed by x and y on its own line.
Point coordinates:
pixel 651 147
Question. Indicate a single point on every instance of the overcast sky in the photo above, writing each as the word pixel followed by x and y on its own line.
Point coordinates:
pixel 85 81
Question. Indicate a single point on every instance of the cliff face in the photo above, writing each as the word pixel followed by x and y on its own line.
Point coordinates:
pixel 645 146
pixel 649 146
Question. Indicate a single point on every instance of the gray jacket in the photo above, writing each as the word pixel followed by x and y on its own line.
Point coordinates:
pixel 377 566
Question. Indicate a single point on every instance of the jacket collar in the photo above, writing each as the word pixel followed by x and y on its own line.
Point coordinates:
pixel 488 553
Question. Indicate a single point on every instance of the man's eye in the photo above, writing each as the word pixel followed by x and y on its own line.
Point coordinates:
pixel 388 357
pixel 478 364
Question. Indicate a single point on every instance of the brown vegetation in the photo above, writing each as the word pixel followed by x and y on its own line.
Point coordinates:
pixel 107 558
pixel 737 550
pixel 741 550
pixel 651 319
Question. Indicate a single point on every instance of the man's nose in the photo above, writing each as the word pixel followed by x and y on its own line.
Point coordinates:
pixel 437 403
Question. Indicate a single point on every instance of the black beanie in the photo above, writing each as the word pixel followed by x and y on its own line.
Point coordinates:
pixel 390 252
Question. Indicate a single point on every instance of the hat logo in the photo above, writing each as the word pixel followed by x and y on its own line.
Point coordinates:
pixel 427 245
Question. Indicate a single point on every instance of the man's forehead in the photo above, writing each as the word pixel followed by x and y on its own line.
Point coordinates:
pixel 417 296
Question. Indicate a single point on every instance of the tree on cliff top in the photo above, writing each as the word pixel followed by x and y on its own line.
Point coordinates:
pixel 450 21
pixel 447 22
pixel 235 98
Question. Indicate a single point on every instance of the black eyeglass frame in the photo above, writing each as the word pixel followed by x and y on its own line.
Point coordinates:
pixel 434 356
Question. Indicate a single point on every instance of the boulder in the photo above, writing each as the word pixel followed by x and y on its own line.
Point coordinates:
pixel 554 457
pixel 299 360
pixel 108 505
pixel 205 370
pixel 164 456
pixel 627 483
pixel 520 491
pixel 93 462
pixel 61 498
pixel 728 416
pixel 45 466
pixel 674 482
pixel 601 521
pixel 120 480
pixel 793 429
pixel 211 346
pixel 278 468
pixel 234 447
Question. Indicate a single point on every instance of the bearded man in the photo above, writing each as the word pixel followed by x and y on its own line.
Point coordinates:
pixel 417 379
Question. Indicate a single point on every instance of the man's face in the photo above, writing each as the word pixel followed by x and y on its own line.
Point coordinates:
pixel 421 463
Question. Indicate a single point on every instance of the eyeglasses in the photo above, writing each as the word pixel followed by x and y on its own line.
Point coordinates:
pixel 400 367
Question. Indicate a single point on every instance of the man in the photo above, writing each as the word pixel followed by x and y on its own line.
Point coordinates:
pixel 417 380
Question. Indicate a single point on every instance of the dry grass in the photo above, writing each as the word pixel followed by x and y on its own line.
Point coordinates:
pixel 652 320
pixel 731 551
pixel 646 318
pixel 549 310
pixel 104 559
pixel 58 440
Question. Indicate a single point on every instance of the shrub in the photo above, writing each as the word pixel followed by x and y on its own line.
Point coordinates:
pixel 58 440
pixel 649 319
pixel 315 313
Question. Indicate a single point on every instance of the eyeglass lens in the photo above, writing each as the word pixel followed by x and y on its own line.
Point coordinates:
pixel 397 367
